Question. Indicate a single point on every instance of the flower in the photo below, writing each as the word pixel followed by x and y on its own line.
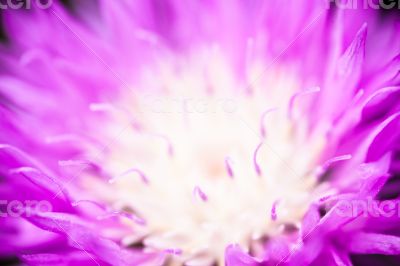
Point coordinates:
pixel 199 133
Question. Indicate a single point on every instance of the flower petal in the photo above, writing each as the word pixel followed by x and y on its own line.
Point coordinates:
pixel 234 256
pixel 370 243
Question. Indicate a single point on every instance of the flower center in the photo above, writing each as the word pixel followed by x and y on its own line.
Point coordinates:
pixel 205 164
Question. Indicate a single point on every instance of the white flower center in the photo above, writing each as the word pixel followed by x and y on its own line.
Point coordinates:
pixel 209 164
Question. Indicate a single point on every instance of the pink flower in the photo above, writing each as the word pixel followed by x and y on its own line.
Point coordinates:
pixel 199 133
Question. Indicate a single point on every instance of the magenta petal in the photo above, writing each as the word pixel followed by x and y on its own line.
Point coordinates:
pixel 310 221
pixel 84 237
pixel 350 63
pixel 41 180
pixel 72 258
pixel 370 243
pixel 25 158
pixel 375 176
pixel 380 103
pixel 386 139
pixel 234 256
pixel 340 259
pixel 277 251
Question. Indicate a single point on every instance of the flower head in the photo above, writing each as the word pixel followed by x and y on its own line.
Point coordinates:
pixel 199 133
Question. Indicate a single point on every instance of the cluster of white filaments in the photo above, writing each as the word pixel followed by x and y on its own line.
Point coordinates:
pixel 204 164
